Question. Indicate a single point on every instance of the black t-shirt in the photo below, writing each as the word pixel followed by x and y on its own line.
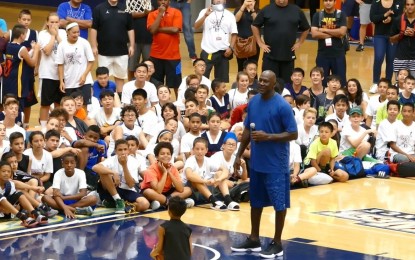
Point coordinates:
pixel 24 163
pixel 244 24
pixel 141 34
pixel 377 12
pixel 330 21
pixel 176 240
pixel 112 24
pixel 405 49
pixel 280 29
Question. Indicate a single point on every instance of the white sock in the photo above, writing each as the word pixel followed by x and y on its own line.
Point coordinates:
pixel 43 123
pixel 116 197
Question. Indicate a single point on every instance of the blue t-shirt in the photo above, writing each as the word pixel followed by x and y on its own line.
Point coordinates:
pixel 96 88
pixel 274 116
pixel 94 155
pixel 3 25
pixel 83 12
pixel 402 100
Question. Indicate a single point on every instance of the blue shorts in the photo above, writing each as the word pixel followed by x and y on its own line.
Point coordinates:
pixel 350 8
pixel 128 195
pixel 69 202
pixel 269 189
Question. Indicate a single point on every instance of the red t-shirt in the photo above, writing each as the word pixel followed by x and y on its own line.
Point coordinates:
pixel 166 46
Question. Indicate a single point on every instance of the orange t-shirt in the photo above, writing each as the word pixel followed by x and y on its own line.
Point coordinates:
pixel 153 173
pixel 166 46
pixel 81 113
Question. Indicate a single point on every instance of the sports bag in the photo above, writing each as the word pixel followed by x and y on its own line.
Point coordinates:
pixel 352 165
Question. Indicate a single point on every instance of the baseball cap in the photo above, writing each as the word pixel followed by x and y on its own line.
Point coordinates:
pixel 356 110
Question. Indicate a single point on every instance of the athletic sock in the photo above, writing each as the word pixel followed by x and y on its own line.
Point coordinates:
pixel 228 199
pixel 21 216
pixel 212 199
pixel 35 213
pixel 43 123
pixel 116 197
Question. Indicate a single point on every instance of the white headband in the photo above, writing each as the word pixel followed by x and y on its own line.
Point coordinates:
pixel 71 25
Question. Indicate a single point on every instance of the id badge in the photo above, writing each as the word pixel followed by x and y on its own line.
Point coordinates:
pixel 328 42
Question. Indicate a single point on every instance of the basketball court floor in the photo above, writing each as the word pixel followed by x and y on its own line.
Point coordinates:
pixel 360 219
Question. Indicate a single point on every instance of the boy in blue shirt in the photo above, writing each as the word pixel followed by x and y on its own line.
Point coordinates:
pixel 102 83
pixel 94 149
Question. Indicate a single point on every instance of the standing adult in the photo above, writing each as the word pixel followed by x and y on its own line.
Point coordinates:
pixel 403 35
pixel 184 7
pixel 382 14
pixel 143 39
pixel 74 11
pixel 281 21
pixel 165 24
pixel 269 125
pixel 329 26
pixel 244 16
pixel 218 39
pixel 364 18
pixel 112 30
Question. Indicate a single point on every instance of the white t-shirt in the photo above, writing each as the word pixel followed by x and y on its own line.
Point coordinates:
pixel 95 105
pixel 306 138
pixel 299 115
pixel 183 87
pixel 372 108
pixel 217 30
pixel 129 87
pixel 237 98
pixel 340 122
pixel 206 171
pixel 102 120
pixel 404 137
pixel 133 166
pixel 147 122
pixel 295 154
pixel 48 69
pixel 44 165
pixel 75 58
pixel 126 132
pixel 219 161
pixel 72 135
pixel 347 132
pixel 69 185
pixel 385 134
pixel 186 143
pixel 180 132
pixel 15 128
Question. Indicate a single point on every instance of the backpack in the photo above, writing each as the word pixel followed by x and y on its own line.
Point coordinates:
pixel 240 192
pixel 345 38
pixel 406 169
pixel 352 165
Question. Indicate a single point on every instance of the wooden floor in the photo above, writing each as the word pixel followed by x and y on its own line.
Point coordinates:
pixel 371 216
pixel 359 64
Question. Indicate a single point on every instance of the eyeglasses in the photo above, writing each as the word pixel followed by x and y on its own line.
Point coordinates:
pixel 230 144
pixel 201 65
pixel 129 115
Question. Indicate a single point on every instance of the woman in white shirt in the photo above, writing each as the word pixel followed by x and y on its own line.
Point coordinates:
pixel 239 95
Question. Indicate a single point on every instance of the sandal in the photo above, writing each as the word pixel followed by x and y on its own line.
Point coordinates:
pixel 29 223
pixel 41 220
pixel 218 205
pixel 234 206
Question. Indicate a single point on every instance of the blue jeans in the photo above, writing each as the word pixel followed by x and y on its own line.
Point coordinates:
pixel 333 66
pixel 187 26
pixel 383 48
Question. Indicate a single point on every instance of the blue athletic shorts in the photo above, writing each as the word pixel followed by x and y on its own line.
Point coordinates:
pixel 269 189
pixel 350 8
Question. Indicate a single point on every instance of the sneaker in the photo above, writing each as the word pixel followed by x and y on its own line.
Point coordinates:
pixel 373 89
pixel 108 203
pixel 88 211
pixel 155 205
pixel 29 222
pixel 247 245
pixel 360 47
pixel 47 211
pixel 189 202
pixel 41 220
pixel 52 213
pixel 272 251
pixel 245 196
pixel 119 206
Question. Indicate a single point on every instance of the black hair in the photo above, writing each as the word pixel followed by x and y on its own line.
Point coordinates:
pixel 393 102
pixel 198 59
pixel 142 65
pixel 4 163
pixel 394 88
pixel 129 108
pixel 385 80
pixel 190 94
pixel 58 112
pixel 177 206
pixel 51 133
pixel 163 132
pixel 32 135
pixel 106 93
pixel 409 77
pixel 8 155
pixel 68 155
pixel 170 106
pixel 15 135
pixel 301 99
pixel 298 70
pixel 334 77
pixel 216 83
pixel 252 92
pixel 409 104
pixel 162 145
pixel 212 115
pixel 17 31
pixel 247 62
pixel 195 114
pixel 359 94
pixel 139 92
pixel 102 71
pixel 326 124
pixel 340 98
pixel 94 128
